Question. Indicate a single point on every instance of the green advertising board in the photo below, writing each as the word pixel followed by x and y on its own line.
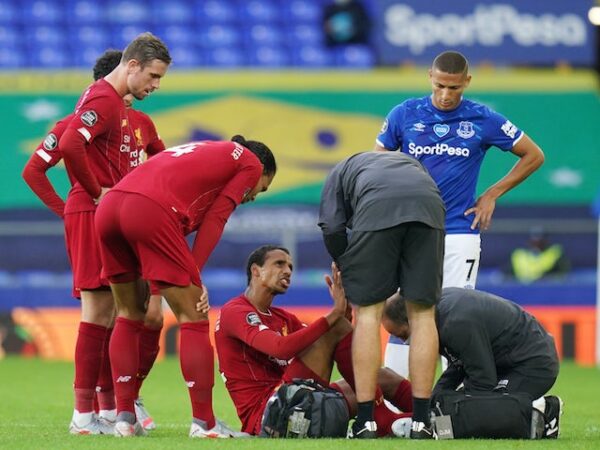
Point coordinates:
pixel 312 120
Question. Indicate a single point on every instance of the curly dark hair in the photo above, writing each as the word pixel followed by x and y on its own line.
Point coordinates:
pixel 106 63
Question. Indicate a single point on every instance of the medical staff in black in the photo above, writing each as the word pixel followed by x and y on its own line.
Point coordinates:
pixel 491 343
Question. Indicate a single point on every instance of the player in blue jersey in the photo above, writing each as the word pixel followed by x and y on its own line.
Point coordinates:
pixel 451 135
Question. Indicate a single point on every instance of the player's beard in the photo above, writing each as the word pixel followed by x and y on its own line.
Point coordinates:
pixel 278 289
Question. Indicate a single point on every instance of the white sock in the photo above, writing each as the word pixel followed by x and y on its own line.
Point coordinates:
pixel 539 404
pixel 82 419
pixel 109 415
pixel 396 358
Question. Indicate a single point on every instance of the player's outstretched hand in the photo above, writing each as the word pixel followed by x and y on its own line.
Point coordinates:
pixel 483 210
pixel 336 289
pixel 203 305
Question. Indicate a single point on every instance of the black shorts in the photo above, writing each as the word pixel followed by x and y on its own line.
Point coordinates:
pixel 409 256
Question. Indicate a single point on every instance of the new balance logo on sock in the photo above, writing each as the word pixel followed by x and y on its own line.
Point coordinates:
pixel 190 384
pixel 123 378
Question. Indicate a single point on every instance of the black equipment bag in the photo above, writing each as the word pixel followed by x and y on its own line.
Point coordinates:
pixel 487 415
pixel 305 409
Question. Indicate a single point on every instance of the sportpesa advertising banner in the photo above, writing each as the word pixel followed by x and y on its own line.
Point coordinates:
pixel 500 32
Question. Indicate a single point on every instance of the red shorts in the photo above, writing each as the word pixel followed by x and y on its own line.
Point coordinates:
pixel 139 237
pixel 84 252
pixel 296 369
pixel 154 288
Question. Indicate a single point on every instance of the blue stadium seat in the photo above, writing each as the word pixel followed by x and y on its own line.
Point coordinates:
pixel 259 11
pixel 90 36
pixel 122 35
pixel 85 56
pixel 46 35
pixel 312 56
pixel 359 56
pixel 9 13
pixel 219 36
pixel 261 34
pixel 185 57
pixel 224 57
pixel 42 12
pixel 12 58
pixel 49 57
pixel 305 34
pixel 302 11
pixel 215 11
pixel 268 56
pixel 83 12
pixel 178 35
pixel 172 12
pixel 10 36
pixel 128 12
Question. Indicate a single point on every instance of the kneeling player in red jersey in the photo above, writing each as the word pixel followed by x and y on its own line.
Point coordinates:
pixel 261 346
pixel 142 223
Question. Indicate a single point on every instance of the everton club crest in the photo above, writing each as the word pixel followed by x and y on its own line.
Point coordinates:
pixel 465 130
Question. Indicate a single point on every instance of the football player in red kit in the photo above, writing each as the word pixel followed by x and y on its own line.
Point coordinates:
pixel 47 155
pixel 261 346
pixel 142 224
pixel 99 149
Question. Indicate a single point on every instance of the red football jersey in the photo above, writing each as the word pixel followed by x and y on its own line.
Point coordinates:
pixel 101 118
pixel 48 149
pixel 249 374
pixel 45 156
pixel 145 136
pixel 48 154
pixel 187 179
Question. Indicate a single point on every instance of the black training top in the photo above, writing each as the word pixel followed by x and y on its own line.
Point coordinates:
pixel 484 336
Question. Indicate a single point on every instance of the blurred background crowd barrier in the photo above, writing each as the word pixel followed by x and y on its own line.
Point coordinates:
pixel 314 80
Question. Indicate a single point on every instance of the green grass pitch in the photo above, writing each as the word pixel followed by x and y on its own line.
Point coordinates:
pixel 36 402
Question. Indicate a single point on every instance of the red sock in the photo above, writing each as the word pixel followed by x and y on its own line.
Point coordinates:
pixel 343 359
pixel 88 355
pixel 402 399
pixel 385 416
pixel 124 359
pixel 149 339
pixel 198 366
pixel 105 393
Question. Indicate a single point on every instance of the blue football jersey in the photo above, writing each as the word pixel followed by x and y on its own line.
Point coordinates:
pixel 451 145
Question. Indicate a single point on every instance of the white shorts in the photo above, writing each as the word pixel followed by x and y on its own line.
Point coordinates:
pixel 461 260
